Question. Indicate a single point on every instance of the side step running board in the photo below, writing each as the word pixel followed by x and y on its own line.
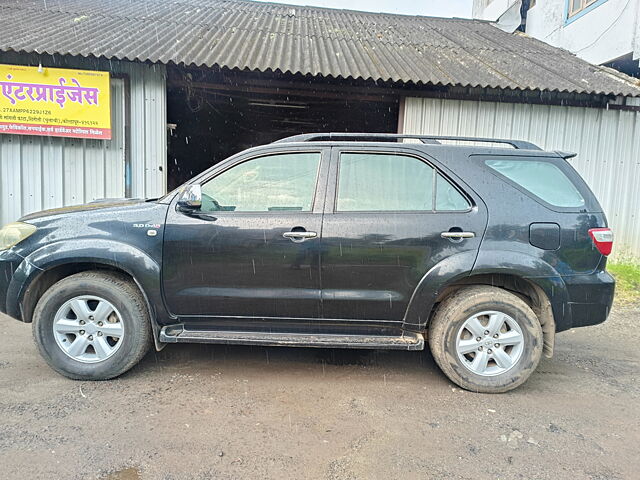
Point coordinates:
pixel 408 341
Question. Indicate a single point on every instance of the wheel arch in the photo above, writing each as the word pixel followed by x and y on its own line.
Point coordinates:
pixel 526 289
pixel 44 267
pixel 45 279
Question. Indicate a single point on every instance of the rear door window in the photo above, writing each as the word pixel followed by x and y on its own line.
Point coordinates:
pixel 448 198
pixel 393 182
pixel 384 182
pixel 543 179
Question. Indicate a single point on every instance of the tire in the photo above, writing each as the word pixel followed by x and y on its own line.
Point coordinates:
pixel 113 355
pixel 455 349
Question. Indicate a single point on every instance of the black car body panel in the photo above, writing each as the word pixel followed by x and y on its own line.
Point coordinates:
pixel 239 264
pixel 366 272
pixel 110 234
pixel 376 264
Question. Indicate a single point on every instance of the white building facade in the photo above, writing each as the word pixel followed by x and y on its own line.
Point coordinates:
pixel 602 32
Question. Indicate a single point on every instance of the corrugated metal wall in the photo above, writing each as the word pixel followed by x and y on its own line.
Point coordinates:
pixel 46 172
pixel 607 142
pixel 148 128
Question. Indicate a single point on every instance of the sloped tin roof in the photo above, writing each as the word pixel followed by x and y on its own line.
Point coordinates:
pixel 246 35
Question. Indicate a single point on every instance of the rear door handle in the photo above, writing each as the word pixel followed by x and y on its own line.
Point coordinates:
pixel 299 236
pixel 457 234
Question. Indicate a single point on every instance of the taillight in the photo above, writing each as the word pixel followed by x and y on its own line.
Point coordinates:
pixel 602 239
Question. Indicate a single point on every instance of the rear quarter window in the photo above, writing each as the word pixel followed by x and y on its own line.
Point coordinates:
pixel 543 179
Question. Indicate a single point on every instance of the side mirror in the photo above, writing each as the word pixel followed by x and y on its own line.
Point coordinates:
pixel 190 198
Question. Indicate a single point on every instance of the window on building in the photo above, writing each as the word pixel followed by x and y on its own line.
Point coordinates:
pixel 576 6
pixel 386 182
pixel 264 184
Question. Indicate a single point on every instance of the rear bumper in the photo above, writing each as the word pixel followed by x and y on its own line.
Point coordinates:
pixel 590 298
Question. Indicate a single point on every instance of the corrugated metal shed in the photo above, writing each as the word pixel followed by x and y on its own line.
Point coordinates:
pixel 39 173
pixel 305 40
pixel 607 142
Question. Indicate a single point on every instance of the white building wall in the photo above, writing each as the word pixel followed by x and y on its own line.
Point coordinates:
pixel 607 142
pixel 609 30
pixel 38 173
pixel 505 13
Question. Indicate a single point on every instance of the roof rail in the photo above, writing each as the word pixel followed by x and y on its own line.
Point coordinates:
pixel 431 139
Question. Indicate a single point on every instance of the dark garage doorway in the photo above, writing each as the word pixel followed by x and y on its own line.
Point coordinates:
pixel 215 117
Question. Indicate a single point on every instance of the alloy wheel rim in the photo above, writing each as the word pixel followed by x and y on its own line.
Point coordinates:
pixel 489 343
pixel 88 329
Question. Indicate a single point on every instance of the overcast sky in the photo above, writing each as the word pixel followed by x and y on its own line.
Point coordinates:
pixel 434 8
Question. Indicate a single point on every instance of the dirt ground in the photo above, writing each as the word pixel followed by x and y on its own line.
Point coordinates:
pixel 203 411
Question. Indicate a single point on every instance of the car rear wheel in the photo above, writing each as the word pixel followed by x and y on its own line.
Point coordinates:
pixel 486 339
pixel 92 326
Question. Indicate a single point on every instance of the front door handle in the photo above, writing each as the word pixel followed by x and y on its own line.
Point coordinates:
pixel 457 234
pixel 299 236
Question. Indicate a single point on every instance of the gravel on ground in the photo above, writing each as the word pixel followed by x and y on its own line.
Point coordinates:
pixel 206 411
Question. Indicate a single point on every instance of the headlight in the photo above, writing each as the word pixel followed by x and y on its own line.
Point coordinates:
pixel 13 233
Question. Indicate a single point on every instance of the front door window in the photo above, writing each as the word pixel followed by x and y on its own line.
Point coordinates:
pixel 273 183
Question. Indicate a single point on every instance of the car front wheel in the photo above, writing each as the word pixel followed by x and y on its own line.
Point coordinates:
pixel 92 325
pixel 486 339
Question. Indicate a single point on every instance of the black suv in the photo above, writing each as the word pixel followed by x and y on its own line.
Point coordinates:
pixel 325 240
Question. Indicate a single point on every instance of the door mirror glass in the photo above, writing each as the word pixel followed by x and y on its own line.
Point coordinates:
pixel 190 198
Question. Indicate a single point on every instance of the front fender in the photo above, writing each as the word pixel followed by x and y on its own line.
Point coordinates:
pixel 138 264
pixel 439 276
